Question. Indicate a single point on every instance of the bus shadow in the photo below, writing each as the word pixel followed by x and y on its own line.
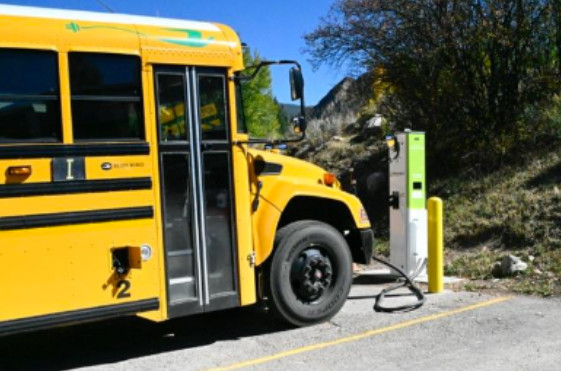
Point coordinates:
pixel 377 281
pixel 125 338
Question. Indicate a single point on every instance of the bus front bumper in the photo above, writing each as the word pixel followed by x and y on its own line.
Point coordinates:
pixel 366 246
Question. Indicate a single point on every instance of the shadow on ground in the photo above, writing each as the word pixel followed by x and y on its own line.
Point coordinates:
pixel 493 237
pixel 371 279
pixel 548 177
pixel 124 338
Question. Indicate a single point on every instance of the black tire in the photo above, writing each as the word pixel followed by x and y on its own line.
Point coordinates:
pixel 310 274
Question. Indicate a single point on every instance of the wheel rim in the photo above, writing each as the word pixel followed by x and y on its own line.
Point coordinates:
pixel 311 274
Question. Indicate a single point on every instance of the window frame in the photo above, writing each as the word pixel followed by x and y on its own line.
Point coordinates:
pixel 241 125
pixel 186 115
pixel 211 72
pixel 55 97
pixel 109 99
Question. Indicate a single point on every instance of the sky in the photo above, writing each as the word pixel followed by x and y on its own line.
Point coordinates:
pixel 274 28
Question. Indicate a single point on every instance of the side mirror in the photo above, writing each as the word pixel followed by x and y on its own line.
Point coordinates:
pixel 296 83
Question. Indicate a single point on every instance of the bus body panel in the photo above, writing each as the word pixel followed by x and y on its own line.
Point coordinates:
pixel 294 178
pixel 60 269
pixel 55 269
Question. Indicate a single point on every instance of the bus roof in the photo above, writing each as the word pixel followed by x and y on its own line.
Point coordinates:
pixel 77 15
pixel 168 40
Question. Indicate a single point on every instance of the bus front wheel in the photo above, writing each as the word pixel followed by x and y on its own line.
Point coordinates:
pixel 310 274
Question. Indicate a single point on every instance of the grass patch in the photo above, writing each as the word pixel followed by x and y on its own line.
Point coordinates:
pixel 516 210
pixel 473 266
pixel 382 248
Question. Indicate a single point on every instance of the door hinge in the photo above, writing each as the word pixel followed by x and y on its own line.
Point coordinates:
pixel 251 259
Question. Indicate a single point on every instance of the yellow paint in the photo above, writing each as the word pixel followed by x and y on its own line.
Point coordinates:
pixel 65 109
pixel 151 137
pixel 50 270
pixel 121 167
pixel 40 171
pixel 298 178
pixel 248 292
pixel 360 336
pixel 435 264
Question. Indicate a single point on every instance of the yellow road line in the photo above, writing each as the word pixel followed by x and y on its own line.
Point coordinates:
pixel 360 336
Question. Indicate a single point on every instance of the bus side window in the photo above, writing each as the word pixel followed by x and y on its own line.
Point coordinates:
pixel 29 96
pixel 106 96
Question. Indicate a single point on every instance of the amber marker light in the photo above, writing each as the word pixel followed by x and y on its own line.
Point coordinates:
pixel 364 216
pixel 19 170
pixel 329 179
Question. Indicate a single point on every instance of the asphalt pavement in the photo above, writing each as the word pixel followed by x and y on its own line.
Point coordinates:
pixel 452 331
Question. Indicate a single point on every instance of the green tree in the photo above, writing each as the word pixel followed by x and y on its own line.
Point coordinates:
pixel 465 71
pixel 262 112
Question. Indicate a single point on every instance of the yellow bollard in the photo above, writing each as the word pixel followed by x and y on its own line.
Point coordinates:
pixel 435 264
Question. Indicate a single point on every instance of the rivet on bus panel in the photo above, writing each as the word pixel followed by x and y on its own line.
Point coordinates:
pixel 145 252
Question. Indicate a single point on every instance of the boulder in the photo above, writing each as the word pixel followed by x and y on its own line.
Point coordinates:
pixel 508 266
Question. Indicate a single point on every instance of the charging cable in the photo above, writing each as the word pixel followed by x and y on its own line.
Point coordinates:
pixel 406 281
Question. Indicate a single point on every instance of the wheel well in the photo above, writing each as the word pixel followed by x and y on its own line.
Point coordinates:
pixel 331 212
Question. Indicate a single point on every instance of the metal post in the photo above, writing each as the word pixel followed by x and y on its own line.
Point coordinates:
pixel 435 262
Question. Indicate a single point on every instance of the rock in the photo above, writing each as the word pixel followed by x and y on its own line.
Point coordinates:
pixel 508 266
pixel 375 122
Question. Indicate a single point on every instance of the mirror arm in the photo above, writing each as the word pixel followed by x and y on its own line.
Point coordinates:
pixel 272 142
pixel 258 67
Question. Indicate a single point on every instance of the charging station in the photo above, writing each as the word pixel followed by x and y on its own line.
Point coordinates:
pixel 408 214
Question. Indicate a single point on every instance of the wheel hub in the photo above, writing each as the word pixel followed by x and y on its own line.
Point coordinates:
pixel 311 274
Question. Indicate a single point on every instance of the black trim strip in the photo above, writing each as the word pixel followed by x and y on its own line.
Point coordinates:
pixel 106 98
pixel 87 186
pixel 70 150
pixel 51 320
pixel 79 217
pixel 174 147
pixel 32 97
pixel 215 146
pixel 267 168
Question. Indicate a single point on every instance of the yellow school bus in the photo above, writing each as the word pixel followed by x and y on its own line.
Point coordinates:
pixel 128 185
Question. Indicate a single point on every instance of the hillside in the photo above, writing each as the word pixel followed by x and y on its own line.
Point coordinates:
pixel 516 210
pixel 339 108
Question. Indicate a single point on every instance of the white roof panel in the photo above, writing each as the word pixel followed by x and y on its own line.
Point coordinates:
pixel 77 15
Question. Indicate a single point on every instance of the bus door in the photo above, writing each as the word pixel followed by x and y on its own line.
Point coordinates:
pixel 196 189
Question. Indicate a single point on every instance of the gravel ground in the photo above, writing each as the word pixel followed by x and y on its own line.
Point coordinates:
pixel 448 332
